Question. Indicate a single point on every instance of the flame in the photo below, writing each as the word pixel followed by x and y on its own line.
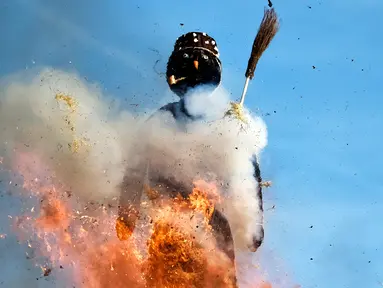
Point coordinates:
pixel 180 251
pixel 54 214
pixel 203 198
pixel 178 256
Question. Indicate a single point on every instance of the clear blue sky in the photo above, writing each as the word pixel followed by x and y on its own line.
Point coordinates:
pixel 325 136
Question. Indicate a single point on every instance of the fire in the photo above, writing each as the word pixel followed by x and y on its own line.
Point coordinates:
pixel 199 199
pixel 54 213
pixel 180 257
pixel 174 261
pixel 180 251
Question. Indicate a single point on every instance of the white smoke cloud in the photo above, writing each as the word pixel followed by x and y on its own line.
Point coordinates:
pixel 218 148
pixel 33 120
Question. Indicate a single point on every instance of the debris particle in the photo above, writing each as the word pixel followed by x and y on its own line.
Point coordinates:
pixel 272 208
pixel 266 184
pixel 46 271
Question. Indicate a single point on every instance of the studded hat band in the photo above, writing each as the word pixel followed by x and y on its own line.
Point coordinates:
pixel 197 40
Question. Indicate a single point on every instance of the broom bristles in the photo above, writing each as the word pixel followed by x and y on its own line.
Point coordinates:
pixel 266 32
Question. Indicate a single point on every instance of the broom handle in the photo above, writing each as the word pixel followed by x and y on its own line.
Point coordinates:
pixel 266 32
pixel 244 91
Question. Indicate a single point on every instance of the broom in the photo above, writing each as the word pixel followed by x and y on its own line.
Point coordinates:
pixel 266 32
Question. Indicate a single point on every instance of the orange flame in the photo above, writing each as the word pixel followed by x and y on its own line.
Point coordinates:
pixel 176 256
pixel 203 198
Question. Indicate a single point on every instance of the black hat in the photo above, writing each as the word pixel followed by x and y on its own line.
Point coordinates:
pixel 193 62
pixel 197 40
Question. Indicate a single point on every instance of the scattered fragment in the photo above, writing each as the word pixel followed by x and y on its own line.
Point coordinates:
pixel 266 184
pixel 47 271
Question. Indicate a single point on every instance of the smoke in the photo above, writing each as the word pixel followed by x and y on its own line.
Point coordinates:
pixel 214 148
pixel 31 119
pixel 90 146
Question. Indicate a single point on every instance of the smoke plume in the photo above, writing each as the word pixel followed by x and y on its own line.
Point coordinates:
pixel 89 146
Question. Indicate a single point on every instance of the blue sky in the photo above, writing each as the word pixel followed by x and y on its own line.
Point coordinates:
pixel 324 154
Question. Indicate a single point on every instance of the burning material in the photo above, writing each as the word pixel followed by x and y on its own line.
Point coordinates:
pixel 181 250
pixel 180 257
pixel 175 259
pixel 203 199
pixel 123 231
pixel 179 253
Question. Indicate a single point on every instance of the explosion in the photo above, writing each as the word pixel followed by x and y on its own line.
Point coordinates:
pixel 70 222
pixel 176 255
